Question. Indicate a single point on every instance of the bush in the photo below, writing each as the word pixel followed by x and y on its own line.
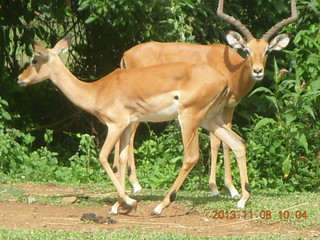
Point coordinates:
pixel 286 147
pixel 84 165
pixel 20 162
pixel 160 157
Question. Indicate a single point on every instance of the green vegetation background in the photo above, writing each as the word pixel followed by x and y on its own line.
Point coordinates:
pixel 43 137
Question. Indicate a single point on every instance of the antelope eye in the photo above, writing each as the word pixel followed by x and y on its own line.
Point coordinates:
pixel 34 61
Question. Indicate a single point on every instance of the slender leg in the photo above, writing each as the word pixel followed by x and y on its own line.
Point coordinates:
pixel 114 132
pixel 227 115
pixel 131 162
pixel 191 148
pixel 124 149
pixel 230 138
pixel 227 173
pixel 116 159
pixel 123 156
pixel 215 145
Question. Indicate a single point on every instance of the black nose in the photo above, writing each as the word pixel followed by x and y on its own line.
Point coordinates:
pixel 259 70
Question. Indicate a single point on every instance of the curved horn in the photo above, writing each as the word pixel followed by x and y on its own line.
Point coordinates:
pixel 279 25
pixel 233 21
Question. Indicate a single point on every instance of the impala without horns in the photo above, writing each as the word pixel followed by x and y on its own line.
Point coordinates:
pixel 242 74
pixel 193 93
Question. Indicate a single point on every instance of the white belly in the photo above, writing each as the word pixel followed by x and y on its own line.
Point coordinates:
pixel 163 115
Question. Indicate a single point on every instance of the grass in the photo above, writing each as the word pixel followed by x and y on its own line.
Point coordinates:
pixel 25 234
pixel 8 193
pixel 300 210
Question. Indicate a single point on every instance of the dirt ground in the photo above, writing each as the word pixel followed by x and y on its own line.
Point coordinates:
pixel 176 219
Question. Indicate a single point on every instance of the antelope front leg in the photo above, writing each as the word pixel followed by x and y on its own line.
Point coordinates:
pixel 114 133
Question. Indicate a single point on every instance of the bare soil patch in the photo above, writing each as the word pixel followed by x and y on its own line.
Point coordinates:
pixel 176 219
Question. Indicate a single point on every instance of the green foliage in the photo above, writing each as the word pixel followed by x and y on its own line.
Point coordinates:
pixel 286 147
pixel 17 158
pixel 84 165
pixel 20 162
pixel 160 157
pixel 158 20
pixel 280 120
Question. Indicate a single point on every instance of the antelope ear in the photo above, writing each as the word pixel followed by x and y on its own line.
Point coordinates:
pixel 279 42
pixel 40 51
pixel 236 40
pixel 63 45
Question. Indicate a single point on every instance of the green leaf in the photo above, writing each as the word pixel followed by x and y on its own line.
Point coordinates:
pixel 273 100
pixel 188 3
pixel 4 102
pixel 310 111
pixel 68 11
pixel 264 122
pixel 315 85
pixel 286 166
pixel 48 136
pixel 303 142
pixel 84 5
pixel 276 77
pixel 91 19
pixel 6 115
pixel 28 139
pixel 261 89
pixel 289 118
pixel 265 182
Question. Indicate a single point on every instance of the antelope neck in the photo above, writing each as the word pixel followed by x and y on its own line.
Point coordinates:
pixel 78 92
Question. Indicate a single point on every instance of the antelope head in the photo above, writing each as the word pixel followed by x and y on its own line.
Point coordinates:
pixel 38 71
pixel 257 49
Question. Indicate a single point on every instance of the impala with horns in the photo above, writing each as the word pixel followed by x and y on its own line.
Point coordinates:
pixel 193 93
pixel 242 74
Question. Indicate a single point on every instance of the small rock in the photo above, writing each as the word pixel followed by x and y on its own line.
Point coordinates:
pixel 205 219
pixel 69 200
pixel 31 200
